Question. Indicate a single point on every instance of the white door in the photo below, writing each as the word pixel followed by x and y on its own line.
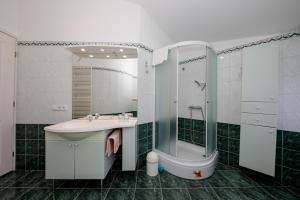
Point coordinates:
pixel 7 97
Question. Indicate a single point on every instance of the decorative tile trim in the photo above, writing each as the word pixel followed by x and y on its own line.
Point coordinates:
pixel 67 43
pixel 192 60
pixel 240 47
pixel 259 42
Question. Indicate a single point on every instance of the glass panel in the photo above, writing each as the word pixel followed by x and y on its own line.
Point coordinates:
pixel 166 104
pixel 191 98
pixel 211 101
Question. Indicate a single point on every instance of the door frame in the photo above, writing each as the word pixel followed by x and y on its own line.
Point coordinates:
pixel 14 98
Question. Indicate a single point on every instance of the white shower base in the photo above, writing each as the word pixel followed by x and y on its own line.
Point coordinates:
pixel 190 158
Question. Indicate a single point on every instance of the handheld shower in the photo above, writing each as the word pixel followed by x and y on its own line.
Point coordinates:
pixel 201 85
pixel 197 82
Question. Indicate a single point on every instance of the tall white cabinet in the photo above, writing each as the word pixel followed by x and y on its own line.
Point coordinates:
pixel 259 103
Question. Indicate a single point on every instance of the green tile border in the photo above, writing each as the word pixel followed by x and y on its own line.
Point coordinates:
pixel 288 157
pixel 287 152
pixel 191 131
pixel 30 146
pixel 144 142
pixel 228 140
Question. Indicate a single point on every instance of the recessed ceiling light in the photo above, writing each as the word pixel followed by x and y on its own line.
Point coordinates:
pixel 221 57
pixel 121 50
pixel 107 56
pixel 91 56
pixel 102 50
pixel 124 56
pixel 83 50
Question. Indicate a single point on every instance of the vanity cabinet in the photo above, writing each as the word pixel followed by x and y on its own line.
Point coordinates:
pixel 84 159
pixel 60 160
pixel 89 163
pixel 81 155
pixel 259 107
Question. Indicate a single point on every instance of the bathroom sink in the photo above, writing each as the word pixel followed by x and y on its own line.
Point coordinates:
pixel 84 125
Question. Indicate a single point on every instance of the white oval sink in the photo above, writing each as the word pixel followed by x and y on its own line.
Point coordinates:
pixel 84 125
pixel 76 124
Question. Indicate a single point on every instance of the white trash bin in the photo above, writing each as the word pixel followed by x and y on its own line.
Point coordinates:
pixel 152 164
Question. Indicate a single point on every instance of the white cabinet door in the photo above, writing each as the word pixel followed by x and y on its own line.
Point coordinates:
pixel 89 158
pixel 259 107
pixel 59 160
pixel 259 119
pixel 258 148
pixel 7 97
pixel 129 149
pixel 260 73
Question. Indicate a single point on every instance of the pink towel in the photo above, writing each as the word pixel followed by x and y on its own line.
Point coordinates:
pixel 113 142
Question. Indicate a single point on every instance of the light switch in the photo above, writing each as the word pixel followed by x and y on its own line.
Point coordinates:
pixel 57 107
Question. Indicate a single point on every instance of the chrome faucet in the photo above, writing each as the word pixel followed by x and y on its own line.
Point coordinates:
pixel 97 115
pixel 90 117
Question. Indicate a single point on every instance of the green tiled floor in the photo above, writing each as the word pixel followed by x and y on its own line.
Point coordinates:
pixel 226 183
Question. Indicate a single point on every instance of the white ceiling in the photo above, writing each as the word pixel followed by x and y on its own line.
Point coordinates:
pixel 215 20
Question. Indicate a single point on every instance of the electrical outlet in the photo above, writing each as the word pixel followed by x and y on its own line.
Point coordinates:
pixel 59 107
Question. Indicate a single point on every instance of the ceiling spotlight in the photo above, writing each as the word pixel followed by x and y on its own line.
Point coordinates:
pixel 83 50
pixel 124 56
pixel 107 56
pixel 121 50
pixel 221 57
pixel 101 50
pixel 91 56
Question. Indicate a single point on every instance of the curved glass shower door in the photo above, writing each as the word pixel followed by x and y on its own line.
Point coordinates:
pixel 211 101
pixel 166 104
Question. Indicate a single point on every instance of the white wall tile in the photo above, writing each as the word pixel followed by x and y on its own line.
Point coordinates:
pixel 189 93
pixel 229 87
pixel 44 79
pixel 289 85
pixel 146 88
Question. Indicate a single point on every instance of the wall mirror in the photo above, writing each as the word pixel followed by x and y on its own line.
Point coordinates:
pixel 104 80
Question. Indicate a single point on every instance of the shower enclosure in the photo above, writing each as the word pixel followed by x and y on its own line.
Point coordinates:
pixel 186 110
